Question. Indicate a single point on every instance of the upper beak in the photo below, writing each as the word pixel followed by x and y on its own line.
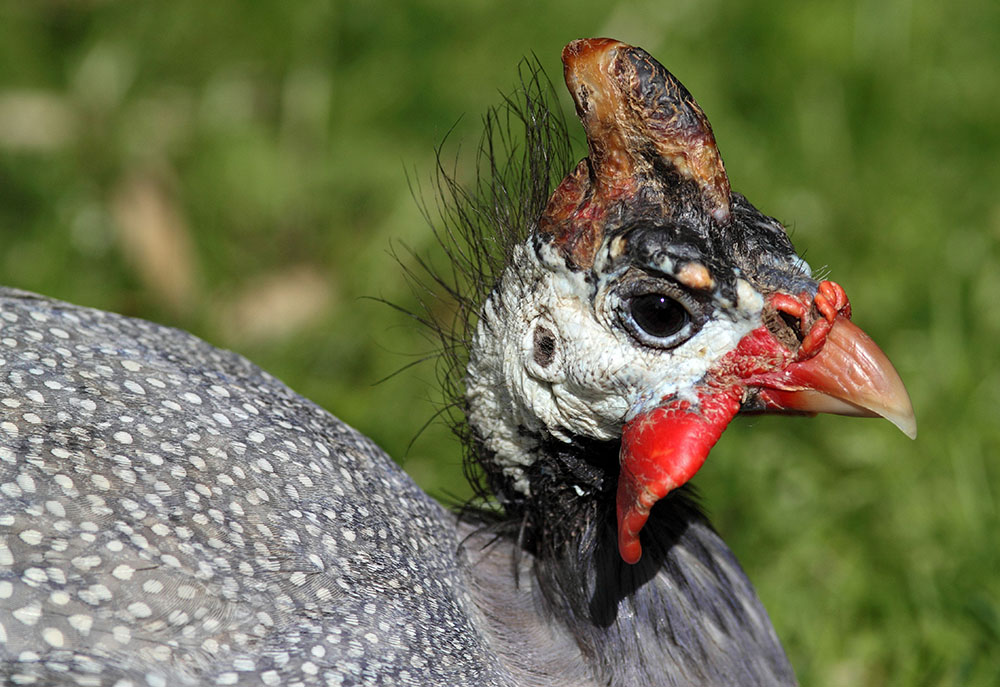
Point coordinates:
pixel 849 376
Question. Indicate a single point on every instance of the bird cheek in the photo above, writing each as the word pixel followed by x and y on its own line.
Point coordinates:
pixel 664 447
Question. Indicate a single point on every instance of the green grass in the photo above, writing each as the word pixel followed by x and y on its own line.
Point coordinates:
pixel 200 163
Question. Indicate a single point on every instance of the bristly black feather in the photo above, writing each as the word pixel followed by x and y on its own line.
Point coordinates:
pixel 523 154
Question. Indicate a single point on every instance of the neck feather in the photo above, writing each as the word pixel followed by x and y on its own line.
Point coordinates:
pixel 686 614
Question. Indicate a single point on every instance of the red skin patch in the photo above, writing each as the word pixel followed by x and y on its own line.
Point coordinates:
pixel 663 448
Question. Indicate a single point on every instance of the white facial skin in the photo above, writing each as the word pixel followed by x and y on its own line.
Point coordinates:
pixel 598 376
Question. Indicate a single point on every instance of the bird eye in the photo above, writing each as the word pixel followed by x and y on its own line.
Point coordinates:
pixel 658 315
pixel 657 319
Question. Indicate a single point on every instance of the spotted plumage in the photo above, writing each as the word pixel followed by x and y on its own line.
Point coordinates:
pixel 171 514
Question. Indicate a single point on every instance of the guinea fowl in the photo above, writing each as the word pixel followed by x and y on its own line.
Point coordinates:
pixel 172 515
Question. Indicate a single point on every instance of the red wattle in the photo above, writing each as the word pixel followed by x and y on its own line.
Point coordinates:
pixel 661 450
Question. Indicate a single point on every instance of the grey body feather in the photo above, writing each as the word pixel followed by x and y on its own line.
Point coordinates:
pixel 170 514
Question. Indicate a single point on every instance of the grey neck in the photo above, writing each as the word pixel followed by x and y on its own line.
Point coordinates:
pixel 685 615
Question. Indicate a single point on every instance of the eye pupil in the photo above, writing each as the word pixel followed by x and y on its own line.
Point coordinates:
pixel 658 315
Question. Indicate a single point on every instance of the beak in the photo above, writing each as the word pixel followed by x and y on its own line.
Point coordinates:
pixel 849 376
pixel 664 447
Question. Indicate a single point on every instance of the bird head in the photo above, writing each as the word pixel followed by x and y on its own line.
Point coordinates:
pixel 650 304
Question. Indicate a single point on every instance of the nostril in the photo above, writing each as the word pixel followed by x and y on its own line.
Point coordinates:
pixel 784 327
pixel 792 323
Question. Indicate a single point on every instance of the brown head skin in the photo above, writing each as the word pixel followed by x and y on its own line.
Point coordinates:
pixel 639 120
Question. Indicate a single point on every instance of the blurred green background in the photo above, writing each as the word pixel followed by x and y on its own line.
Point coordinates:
pixel 241 170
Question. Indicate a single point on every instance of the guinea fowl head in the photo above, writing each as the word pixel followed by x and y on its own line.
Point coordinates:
pixel 649 305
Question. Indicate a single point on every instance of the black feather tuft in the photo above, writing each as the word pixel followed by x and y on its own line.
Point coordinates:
pixel 524 152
